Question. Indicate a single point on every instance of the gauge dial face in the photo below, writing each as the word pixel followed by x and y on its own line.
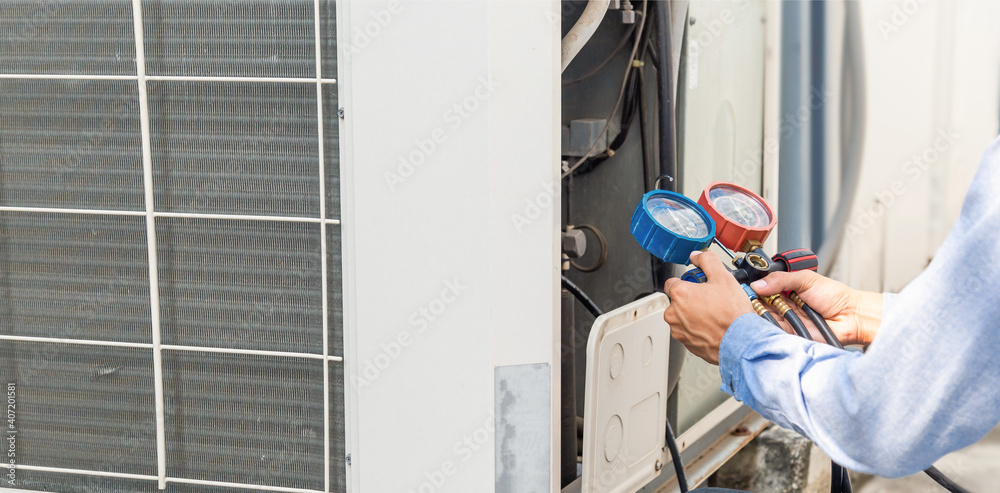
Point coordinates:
pixel 677 217
pixel 739 206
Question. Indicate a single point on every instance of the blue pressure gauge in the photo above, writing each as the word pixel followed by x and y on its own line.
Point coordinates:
pixel 671 226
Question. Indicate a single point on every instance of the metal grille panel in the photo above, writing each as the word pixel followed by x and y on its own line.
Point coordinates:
pixel 243 284
pixel 70 143
pixel 83 407
pixel 245 419
pixel 247 148
pixel 257 38
pixel 67 37
pixel 74 276
pixel 217 183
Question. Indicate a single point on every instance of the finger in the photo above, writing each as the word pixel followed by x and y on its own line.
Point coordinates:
pixel 670 316
pixel 671 284
pixel 777 282
pixel 709 263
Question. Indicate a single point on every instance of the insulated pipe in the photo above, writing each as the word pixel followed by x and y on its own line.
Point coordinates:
pixel 852 146
pixel 665 94
pixel 584 28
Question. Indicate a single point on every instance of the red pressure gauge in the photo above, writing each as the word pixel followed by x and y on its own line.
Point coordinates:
pixel 742 218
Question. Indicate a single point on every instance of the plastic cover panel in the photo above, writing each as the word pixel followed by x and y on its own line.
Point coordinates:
pixel 74 276
pixel 70 143
pixel 257 38
pixel 245 419
pixel 245 284
pixel 83 407
pixel 235 147
pixel 67 37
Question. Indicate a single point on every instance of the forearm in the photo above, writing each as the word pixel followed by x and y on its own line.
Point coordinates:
pixel 862 415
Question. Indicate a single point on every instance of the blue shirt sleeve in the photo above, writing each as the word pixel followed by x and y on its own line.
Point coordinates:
pixel 930 382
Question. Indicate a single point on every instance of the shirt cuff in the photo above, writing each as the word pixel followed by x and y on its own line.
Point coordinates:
pixel 887 300
pixel 741 335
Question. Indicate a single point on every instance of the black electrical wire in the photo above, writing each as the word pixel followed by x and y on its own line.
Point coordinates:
pixel 580 295
pixel 675 455
pixel 633 103
pixel 944 481
pixel 615 52
pixel 652 54
pixel 629 111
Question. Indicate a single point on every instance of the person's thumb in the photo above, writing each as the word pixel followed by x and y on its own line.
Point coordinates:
pixel 777 282
pixel 709 263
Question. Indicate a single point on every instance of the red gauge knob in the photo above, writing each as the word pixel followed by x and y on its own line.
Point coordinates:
pixel 798 259
pixel 742 218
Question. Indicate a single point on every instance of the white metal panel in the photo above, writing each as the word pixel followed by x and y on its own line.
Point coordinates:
pixel 447 143
pixel 932 78
pixel 723 117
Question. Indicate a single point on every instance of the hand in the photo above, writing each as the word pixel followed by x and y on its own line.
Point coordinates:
pixel 854 316
pixel 700 314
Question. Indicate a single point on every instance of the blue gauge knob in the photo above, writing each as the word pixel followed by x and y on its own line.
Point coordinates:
pixel 671 226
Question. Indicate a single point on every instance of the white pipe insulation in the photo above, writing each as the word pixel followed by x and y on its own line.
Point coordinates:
pixel 583 30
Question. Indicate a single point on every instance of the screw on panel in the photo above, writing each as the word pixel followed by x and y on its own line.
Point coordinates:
pixel 340 112
pixel 348 458
pixel 659 465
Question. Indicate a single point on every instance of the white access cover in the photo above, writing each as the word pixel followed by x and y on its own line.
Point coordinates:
pixel 625 408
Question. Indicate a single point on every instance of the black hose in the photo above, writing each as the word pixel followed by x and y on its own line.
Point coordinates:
pixel 665 94
pixel 580 295
pixel 675 456
pixel 823 327
pixel 944 481
pixel 836 478
pixel 846 486
pixel 770 318
pixel 797 325
pixel 643 125
pixel 665 91
pixel 840 479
